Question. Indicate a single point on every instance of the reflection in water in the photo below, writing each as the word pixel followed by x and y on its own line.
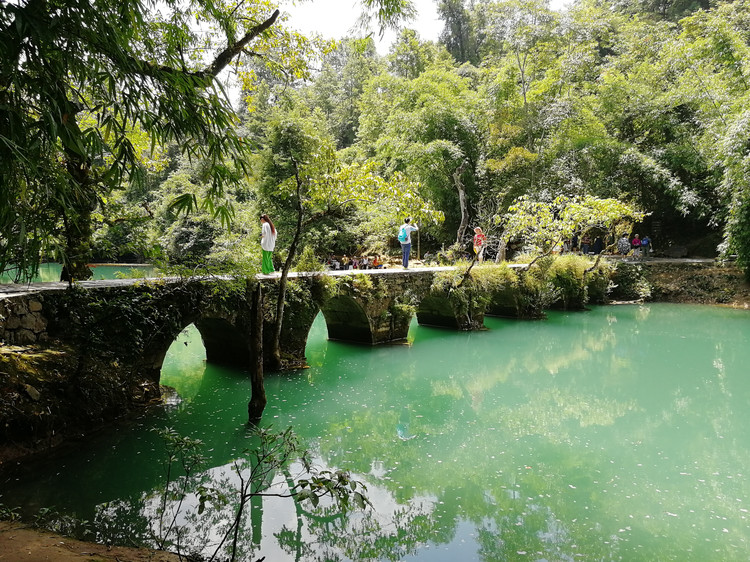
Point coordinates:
pixel 402 427
pixel 618 433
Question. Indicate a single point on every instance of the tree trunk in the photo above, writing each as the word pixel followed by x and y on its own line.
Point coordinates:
pixel 82 202
pixel 77 245
pixel 462 203
pixel 501 247
pixel 258 397
pixel 276 342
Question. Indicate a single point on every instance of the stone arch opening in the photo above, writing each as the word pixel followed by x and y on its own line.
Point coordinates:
pixel 347 321
pixel 315 351
pixel 225 344
pixel 185 363
pixel 437 311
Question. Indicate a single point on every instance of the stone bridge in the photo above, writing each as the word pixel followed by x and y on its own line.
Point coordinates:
pixel 134 322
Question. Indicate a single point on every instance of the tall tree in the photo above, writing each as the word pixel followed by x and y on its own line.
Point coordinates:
pixel 302 182
pixel 458 34
pixel 339 85
pixel 409 57
pixel 430 128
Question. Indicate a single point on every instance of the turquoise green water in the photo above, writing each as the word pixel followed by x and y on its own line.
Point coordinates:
pixel 50 272
pixel 614 434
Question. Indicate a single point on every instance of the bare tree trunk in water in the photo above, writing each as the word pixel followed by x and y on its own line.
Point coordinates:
pixel 462 202
pixel 276 342
pixel 258 398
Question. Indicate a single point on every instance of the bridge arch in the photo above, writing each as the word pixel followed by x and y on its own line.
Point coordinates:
pixel 225 344
pixel 347 320
pixel 225 335
pixel 437 310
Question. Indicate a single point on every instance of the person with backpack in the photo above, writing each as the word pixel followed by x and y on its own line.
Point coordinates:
pixel 404 237
pixel 645 247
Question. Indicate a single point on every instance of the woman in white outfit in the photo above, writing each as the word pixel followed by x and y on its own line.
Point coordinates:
pixel 267 244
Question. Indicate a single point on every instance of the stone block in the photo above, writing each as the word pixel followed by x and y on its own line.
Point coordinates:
pixel 24 337
pixel 19 308
pixel 33 322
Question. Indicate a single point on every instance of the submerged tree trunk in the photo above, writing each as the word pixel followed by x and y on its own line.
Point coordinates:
pixel 258 398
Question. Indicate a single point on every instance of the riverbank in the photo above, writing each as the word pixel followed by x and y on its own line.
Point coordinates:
pixel 681 281
pixel 20 542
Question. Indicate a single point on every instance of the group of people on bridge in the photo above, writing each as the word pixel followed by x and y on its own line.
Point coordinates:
pixel 577 244
pixel 337 263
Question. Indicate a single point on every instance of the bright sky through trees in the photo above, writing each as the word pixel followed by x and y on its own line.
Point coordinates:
pixel 338 18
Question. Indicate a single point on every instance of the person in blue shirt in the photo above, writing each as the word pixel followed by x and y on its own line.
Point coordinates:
pixel 645 247
pixel 404 236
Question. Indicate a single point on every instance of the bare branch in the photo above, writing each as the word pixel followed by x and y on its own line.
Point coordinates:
pixel 223 58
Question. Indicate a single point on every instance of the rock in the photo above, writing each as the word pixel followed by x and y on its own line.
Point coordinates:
pixel 24 337
pixel 32 392
pixel 675 252
pixel 33 322
pixel 19 308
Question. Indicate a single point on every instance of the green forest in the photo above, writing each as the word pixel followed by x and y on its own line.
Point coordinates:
pixel 164 137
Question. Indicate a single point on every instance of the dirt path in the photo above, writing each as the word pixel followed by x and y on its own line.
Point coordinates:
pixel 19 542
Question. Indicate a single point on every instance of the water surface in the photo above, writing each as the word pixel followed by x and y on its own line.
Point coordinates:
pixel 618 433
pixel 50 272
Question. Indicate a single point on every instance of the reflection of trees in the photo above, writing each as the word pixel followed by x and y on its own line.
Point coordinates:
pixel 544 413
pixel 371 535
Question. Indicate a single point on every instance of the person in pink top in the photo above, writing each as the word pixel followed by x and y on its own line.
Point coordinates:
pixel 479 241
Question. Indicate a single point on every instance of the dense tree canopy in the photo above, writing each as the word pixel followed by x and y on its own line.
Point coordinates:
pixel 89 90
pixel 634 102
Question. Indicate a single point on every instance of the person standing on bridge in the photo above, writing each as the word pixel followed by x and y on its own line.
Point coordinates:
pixel 404 236
pixel 479 241
pixel 267 244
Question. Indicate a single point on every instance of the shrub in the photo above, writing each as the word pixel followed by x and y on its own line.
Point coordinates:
pixel 567 273
pixel 629 282
pixel 535 293
pixel 599 282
